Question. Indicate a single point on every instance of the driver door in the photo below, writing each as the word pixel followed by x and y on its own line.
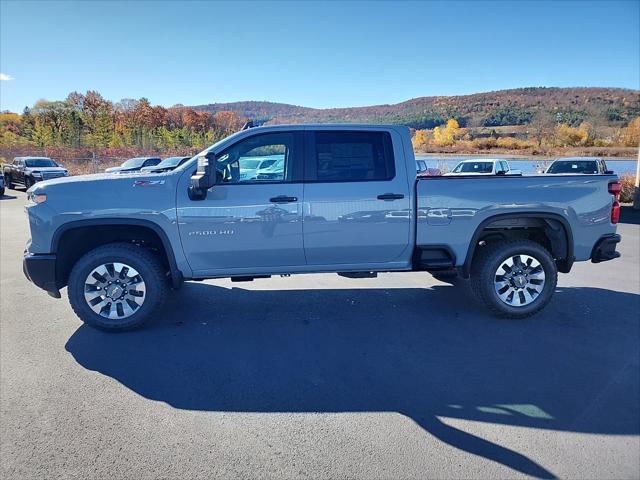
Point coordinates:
pixel 247 225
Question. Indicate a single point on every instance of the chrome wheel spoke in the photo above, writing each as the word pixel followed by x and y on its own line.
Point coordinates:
pixel 519 280
pixel 114 290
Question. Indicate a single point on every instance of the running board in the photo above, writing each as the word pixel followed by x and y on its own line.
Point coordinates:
pixel 358 274
pixel 248 279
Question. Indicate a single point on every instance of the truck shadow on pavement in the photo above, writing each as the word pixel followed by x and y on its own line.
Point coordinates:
pixel 430 354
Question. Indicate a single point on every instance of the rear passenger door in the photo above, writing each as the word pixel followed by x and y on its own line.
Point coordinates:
pixel 357 207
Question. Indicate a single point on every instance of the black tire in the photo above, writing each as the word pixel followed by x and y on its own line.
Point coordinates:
pixel 10 184
pixel 491 257
pixel 139 258
pixel 2 192
pixel 28 182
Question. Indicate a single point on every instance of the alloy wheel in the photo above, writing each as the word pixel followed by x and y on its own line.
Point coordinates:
pixel 114 290
pixel 519 280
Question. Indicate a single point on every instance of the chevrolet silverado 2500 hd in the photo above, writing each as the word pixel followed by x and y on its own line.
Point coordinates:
pixel 345 199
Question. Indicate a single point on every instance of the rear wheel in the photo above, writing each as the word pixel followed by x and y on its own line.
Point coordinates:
pixel 117 287
pixel 514 279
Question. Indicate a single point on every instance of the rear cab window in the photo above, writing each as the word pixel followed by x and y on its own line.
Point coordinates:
pixel 349 156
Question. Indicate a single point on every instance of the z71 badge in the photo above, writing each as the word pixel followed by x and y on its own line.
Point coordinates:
pixel 148 183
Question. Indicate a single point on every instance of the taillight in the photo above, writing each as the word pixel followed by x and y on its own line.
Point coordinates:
pixel 614 189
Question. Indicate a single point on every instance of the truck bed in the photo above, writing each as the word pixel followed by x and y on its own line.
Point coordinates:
pixel 451 209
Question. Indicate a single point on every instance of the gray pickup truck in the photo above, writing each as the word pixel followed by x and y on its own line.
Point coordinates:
pixel 344 199
pixel 29 170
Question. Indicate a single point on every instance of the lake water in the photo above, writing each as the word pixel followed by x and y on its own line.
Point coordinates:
pixel 527 165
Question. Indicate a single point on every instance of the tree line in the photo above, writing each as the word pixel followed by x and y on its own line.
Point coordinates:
pixel 543 131
pixel 89 120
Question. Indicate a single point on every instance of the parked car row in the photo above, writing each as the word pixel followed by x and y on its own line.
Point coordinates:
pixel 26 171
pixel 148 165
pixel 491 166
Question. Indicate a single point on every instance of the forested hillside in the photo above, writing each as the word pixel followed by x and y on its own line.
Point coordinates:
pixel 534 121
pixel 601 106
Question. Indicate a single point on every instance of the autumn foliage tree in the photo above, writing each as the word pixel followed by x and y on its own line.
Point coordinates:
pixel 630 136
pixel 567 136
pixel 446 136
pixel 89 120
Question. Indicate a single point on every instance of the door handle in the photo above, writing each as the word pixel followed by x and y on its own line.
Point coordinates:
pixel 283 199
pixel 390 196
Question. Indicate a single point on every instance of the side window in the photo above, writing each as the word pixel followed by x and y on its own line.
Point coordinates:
pixel 345 156
pixel 261 158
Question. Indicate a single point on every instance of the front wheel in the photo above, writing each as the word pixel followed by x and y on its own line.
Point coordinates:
pixel 117 287
pixel 514 279
pixel 10 184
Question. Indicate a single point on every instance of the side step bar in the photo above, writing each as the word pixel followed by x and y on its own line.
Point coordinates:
pixel 248 279
pixel 358 274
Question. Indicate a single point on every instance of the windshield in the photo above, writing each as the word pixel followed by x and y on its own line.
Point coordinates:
pixel 133 163
pixel 249 164
pixel 40 162
pixel 267 163
pixel 169 162
pixel 474 167
pixel 276 166
pixel 580 166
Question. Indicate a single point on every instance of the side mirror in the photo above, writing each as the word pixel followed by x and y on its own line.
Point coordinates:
pixel 204 178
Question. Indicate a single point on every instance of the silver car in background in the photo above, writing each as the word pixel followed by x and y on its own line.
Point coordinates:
pixel 583 165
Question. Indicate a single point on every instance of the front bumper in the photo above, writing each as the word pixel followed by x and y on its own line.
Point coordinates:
pixel 41 271
pixel 605 248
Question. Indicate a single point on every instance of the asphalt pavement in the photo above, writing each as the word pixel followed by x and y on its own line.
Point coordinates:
pixel 319 376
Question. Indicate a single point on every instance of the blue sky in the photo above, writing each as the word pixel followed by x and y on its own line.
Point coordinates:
pixel 314 54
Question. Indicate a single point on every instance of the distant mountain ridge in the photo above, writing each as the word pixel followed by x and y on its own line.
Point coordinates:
pixel 610 106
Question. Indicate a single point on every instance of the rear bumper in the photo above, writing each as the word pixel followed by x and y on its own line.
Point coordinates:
pixel 41 271
pixel 605 248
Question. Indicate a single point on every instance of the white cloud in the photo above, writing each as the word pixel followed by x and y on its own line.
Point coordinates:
pixel 5 78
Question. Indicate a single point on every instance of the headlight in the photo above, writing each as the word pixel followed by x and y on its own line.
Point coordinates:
pixel 36 198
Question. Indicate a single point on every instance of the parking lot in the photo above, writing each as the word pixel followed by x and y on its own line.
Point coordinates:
pixel 319 376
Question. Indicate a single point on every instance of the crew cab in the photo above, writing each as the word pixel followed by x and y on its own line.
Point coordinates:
pixel 28 170
pixel 347 201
